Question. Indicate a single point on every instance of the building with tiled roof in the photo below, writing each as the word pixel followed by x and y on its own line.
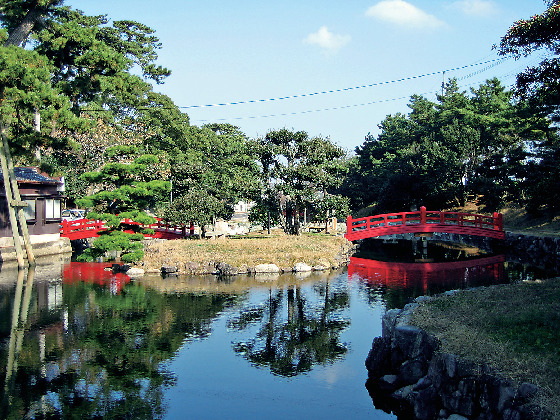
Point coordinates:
pixel 44 196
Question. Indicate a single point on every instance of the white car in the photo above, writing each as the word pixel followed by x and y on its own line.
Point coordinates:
pixel 72 214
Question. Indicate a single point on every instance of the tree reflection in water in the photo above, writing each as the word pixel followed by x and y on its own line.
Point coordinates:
pixel 95 353
pixel 295 329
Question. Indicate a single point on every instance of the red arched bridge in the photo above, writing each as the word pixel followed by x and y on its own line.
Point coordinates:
pixel 425 222
pixel 85 228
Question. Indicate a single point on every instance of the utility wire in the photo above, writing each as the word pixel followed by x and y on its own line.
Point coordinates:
pixel 496 63
pixel 304 95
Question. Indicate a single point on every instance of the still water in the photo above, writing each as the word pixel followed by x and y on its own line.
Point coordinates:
pixel 78 341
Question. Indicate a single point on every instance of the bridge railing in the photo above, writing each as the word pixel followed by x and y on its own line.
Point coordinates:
pixel 161 227
pixel 424 221
pixel 85 228
pixel 81 229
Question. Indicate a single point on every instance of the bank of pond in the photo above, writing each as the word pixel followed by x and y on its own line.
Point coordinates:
pixel 79 340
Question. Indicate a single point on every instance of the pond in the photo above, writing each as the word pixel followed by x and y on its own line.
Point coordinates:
pixel 78 341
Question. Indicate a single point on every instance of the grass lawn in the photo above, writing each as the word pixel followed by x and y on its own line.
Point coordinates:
pixel 251 250
pixel 513 328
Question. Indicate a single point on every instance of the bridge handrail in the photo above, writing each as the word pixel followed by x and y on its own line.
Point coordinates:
pixel 69 227
pixel 424 218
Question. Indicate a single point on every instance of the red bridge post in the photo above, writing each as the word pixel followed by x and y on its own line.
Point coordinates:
pixel 498 221
pixel 423 215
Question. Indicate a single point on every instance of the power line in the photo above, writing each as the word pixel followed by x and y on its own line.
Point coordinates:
pixel 304 95
pixel 252 117
pixel 491 64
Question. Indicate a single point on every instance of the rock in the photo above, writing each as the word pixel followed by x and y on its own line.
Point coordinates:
pixel 423 383
pixel 404 394
pixel 192 267
pixel 388 382
pixel 120 268
pixel 267 268
pixel 208 268
pixel 456 417
pixel 301 267
pixel 495 394
pixel 461 400
pixel 414 342
pixel 411 371
pixel 320 268
pixel 450 364
pixel 135 272
pixel 422 299
pixel 388 322
pixel 244 269
pixel 168 269
pixel 426 404
pixel 226 269
pixel 526 391
pixel 378 357
pixel 506 394
pixel 511 414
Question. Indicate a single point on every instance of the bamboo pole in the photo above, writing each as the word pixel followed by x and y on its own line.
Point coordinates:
pixel 9 199
pixel 17 199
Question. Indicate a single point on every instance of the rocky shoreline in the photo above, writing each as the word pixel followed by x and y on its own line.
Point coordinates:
pixel 224 269
pixel 409 376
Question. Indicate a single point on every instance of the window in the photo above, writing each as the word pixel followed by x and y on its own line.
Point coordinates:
pixel 52 208
pixel 29 210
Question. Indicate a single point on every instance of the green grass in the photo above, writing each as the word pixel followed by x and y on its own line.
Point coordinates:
pixel 513 328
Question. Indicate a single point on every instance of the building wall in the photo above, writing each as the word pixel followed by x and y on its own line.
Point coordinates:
pixel 44 200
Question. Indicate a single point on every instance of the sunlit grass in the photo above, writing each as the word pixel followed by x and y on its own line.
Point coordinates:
pixel 259 248
pixel 513 328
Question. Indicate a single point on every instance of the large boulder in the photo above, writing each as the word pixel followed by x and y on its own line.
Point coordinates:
pixel 302 267
pixel 267 268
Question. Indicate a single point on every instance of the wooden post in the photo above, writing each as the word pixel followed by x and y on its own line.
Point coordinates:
pixel 14 198
pixel 498 221
pixel 20 211
pixel 349 224
pixel 423 215
pixel 9 199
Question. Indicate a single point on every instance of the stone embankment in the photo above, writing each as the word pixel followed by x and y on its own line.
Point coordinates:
pixel 224 269
pixel 410 377
pixel 530 248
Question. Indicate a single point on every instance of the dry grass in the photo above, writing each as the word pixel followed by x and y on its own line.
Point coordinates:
pixel 517 220
pixel 257 248
pixel 512 328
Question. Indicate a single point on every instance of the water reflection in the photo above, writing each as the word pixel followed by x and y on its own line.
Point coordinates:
pixel 404 281
pixel 97 352
pixel 80 341
pixel 294 330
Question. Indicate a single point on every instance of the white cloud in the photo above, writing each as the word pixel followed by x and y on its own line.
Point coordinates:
pixel 404 14
pixel 476 7
pixel 327 40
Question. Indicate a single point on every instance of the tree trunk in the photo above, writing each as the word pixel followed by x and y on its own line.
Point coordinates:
pixel 20 34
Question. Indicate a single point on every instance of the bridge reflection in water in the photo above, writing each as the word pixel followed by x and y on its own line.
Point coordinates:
pixel 430 277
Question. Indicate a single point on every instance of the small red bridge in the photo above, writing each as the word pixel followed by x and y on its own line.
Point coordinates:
pixel 425 222
pixel 85 228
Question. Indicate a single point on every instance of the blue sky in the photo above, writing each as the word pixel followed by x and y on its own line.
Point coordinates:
pixel 370 56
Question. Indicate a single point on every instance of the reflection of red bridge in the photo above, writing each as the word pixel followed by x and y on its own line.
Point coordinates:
pixel 96 273
pixel 424 221
pixel 446 275
pixel 85 228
